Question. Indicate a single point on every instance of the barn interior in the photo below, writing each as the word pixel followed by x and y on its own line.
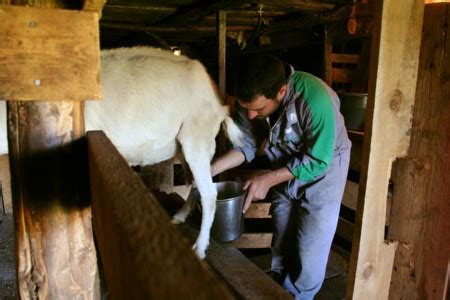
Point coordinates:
pixel 389 63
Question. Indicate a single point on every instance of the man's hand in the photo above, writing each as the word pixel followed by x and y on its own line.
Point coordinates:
pixel 258 186
pixel 257 189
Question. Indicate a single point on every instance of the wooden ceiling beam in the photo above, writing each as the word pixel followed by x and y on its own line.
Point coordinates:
pixel 144 7
pixel 347 12
pixel 168 29
pixel 194 12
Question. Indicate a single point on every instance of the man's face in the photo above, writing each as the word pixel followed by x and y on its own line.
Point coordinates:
pixel 261 107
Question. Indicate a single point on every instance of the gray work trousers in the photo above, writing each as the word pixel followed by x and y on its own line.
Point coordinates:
pixel 304 219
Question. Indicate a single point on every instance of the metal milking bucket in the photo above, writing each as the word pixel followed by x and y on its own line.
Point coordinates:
pixel 228 222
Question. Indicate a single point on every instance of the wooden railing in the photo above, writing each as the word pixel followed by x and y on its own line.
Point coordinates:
pixel 145 256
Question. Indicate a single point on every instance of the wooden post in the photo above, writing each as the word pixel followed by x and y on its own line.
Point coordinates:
pixel 55 251
pixel 222 47
pixel 392 86
pixel 327 64
pixel 221 66
pixel 421 203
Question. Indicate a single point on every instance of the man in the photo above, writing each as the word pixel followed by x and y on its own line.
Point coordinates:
pixel 304 137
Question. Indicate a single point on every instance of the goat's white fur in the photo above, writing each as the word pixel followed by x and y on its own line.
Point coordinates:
pixel 156 105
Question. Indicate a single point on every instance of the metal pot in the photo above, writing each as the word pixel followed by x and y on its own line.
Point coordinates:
pixel 228 222
pixel 353 108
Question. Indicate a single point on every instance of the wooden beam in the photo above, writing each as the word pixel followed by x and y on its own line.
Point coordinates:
pixel 198 10
pixel 246 279
pixel 253 240
pixel 392 85
pixel 55 251
pixel 144 255
pixel 341 14
pixel 341 58
pixel 327 54
pixel 221 53
pixel 421 204
pixel 171 29
pixel 48 54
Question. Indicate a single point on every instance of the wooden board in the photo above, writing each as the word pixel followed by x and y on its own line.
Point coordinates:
pixel 421 205
pixel 144 255
pixel 392 85
pixel 48 54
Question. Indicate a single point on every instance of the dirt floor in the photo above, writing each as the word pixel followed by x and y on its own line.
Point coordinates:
pixel 8 288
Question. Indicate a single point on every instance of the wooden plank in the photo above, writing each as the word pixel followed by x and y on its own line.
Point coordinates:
pixel 421 204
pixel 345 229
pixel 344 58
pixel 253 240
pixel 48 54
pixel 143 254
pixel 244 277
pixel 350 195
pixel 258 210
pixel 342 75
pixel 392 84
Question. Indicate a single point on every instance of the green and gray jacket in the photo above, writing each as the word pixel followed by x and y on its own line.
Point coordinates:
pixel 309 131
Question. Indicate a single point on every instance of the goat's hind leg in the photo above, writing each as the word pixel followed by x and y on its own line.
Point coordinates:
pixel 184 212
pixel 199 163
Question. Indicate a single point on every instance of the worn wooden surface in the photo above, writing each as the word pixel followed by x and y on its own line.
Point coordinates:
pixel 221 51
pixel 143 254
pixel 55 250
pixel 48 54
pixel 244 277
pixel 421 204
pixel 392 86
pixel 5 179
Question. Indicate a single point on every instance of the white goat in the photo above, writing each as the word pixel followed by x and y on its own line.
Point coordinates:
pixel 157 105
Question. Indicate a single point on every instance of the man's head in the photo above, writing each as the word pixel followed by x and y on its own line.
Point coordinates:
pixel 261 85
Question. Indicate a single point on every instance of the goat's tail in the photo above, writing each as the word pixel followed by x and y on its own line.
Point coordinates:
pixel 233 132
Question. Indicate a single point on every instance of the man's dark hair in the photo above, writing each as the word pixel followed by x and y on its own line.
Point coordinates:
pixel 259 75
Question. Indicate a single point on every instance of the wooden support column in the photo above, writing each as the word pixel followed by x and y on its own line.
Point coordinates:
pixel 222 47
pixel 327 49
pixel 221 18
pixel 392 86
pixel 48 54
pixel 421 201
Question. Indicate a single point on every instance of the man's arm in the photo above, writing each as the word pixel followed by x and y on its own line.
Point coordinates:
pixel 258 186
pixel 231 159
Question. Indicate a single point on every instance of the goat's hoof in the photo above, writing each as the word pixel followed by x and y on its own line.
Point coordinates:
pixel 199 251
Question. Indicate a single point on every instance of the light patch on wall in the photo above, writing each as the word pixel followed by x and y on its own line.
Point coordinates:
pixel 436 1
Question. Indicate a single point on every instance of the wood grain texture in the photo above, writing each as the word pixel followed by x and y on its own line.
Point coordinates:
pixel 392 86
pixel 144 255
pixel 48 54
pixel 55 250
pixel 421 204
